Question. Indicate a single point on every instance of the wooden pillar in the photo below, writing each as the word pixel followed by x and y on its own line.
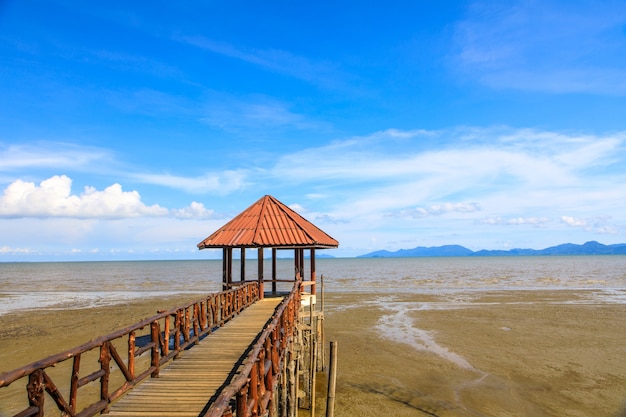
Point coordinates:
pixel 229 273
pixel 301 254
pixel 274 270
pixel 296 264
pixel 260 273
pixel 243 265
pixel 313 289
pixel 224 268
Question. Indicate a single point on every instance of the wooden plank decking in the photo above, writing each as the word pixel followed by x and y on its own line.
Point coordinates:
pixel 188 385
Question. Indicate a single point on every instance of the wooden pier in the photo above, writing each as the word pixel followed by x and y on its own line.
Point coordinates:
pixel 232 353
pixel 187 386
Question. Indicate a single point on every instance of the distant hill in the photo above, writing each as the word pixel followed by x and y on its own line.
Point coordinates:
pixel 589 248
pixel 447 250
pixel 320 256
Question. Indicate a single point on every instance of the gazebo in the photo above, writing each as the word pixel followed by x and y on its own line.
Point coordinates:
pixel 268 223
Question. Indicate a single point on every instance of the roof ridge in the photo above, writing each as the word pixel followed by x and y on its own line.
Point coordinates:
pixel 306 232
pixel 261 217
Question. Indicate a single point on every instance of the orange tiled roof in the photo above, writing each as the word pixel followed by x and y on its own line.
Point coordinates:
pixel 269 223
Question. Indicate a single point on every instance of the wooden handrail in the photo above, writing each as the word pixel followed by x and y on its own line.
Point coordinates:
pixel 192 321
pixel 253 386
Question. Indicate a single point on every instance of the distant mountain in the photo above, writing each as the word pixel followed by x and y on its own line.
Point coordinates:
pixel 589 248
pixel 320 256
pixel 447 250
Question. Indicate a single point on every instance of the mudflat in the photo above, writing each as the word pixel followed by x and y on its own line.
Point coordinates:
pixel 504 353
pixel 27 336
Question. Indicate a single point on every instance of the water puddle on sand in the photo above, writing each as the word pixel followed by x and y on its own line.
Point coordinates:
pixel 399 327
pixel 14 301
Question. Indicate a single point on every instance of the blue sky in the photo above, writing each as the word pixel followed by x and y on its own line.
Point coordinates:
pixel 133 130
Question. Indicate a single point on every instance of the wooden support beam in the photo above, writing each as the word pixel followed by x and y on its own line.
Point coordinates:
pixel 313 287
pixel 224 268
pixel 243 264
pixel 274 270
pixel 260 272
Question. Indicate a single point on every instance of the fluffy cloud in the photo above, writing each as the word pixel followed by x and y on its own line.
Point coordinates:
pixel 498 169
pixel 194 211
pixel 571 221
pixel 437 210
pixel 51 155
pixel 53 198
pixel 221 182
pixel 599 224
pixel 4 250
pixel 516 221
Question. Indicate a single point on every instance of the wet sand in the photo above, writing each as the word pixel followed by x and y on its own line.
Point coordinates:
pixel 513 353
pixel 29 336
pixel 507 353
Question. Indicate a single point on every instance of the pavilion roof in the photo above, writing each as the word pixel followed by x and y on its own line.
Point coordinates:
pixel 269 223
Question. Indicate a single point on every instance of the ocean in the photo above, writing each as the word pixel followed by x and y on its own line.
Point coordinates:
pixel 58 285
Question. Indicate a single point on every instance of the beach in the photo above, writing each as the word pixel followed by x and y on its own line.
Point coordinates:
pixel 502 353
pixel 487 353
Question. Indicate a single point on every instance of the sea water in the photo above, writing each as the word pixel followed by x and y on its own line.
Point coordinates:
pixel 57 285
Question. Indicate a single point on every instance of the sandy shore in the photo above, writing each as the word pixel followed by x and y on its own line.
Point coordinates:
pixel 514 353
pixel 28 336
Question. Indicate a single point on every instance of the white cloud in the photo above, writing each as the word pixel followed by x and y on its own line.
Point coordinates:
pixel 391 183
pixel 223 182
pixel 597 224
pixel 194 211
pixel 6 250
pixel 438 185
pixel 51 155
pixel 297 208
pixel 437 210
pixel 232 114
pixel 516 221
pixel 53 198
pixel 324 74
pixel 571 221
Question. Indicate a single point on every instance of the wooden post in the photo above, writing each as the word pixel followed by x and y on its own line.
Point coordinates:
pixel 36 389
pixel 301 255
pixel 313 356
pixel 292 384
pixel 332 380
pixel 74 383
pixel 273 270
pixel 296 261
pixel 242 402
pixel 313 289
pixel 260 273
pixel 224 267
pixel 105 360
pixel 322 341
pixel 227 264
pixel 154 336
pixel 131 353
pixel 284 393
pixel 243 264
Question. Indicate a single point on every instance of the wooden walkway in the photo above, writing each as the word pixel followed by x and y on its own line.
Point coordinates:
pixel 188 385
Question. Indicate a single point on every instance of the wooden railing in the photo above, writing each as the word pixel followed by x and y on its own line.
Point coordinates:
pixel 162 336
pixel 254 386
